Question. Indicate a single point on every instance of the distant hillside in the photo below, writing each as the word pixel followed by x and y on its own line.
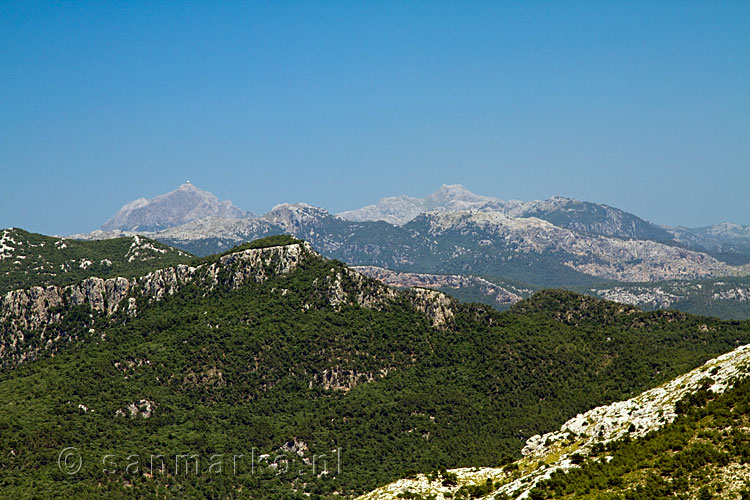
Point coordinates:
pixel 498 294
pixel 399 210
pixel 727 297
pixel 29 259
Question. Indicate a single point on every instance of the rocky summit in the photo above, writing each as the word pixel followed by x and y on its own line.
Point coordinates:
pixel 185 204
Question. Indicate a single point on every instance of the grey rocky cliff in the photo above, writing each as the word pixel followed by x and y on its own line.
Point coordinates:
pixel 27 316
pixel 501 296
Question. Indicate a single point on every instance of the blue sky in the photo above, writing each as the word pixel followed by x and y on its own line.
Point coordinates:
pixel 640 105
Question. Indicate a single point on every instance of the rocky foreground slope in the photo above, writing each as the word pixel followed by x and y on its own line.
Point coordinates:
pixel 567 448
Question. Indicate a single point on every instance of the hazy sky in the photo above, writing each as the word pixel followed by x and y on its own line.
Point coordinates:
pixel 640 105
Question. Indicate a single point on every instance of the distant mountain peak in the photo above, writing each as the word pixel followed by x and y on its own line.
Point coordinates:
pixel 291 216
pixel 401 209
pixel 457 192
pixel 185 204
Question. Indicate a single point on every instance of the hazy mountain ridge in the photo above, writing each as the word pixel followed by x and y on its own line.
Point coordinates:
pixel 603 257
pixel 493 237
pixel 589 218
pixel 581 216
pixel 399 210
pixel 727 241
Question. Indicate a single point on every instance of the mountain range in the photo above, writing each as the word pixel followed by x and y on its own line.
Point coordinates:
pixel 559 242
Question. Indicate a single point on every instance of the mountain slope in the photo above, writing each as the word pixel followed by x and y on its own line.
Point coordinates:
pixel 463 287
pixel 703 454
pixel 185 204
pixel 589 218
pixel 726 297
pixel 627 447
pixel 273 350
pixel 485 242
pixel 29 259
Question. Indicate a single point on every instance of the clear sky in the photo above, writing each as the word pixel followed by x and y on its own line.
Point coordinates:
pixel 640 105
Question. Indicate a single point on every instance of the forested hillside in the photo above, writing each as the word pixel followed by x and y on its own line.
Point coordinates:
pixel 274 350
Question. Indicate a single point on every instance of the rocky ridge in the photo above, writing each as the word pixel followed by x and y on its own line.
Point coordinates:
pixel 673 294
pixel 724 237
pixel 29 259
pixel 29 317
pixel 601 256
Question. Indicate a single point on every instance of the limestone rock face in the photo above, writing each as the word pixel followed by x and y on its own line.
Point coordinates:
pixel 30 319
pixel 502 296
pixel 293 216
pixel 339 379
pixel 143 408
pixel 437 306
